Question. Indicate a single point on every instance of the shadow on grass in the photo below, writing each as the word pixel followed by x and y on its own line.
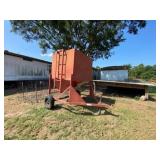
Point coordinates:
pixel 108 101
pixel 57 107
pixel 105 100
pixel 93 111
pixel 152 99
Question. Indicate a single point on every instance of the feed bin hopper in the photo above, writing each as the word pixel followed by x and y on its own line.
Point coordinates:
pixel 71 68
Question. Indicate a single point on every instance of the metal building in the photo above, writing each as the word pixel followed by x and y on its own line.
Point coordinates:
pixel 114 73
pixel 21 68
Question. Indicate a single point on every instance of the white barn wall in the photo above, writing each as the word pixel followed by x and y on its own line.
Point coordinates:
pixel 114 75
pixel 16 69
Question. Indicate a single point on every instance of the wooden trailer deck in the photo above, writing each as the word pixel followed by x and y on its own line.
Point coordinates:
pixel 125 84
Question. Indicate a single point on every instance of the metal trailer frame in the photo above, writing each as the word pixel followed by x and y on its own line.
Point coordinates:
pixel 74 96
pixel 126 84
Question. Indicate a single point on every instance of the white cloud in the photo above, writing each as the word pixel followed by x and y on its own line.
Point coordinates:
pixel 48 55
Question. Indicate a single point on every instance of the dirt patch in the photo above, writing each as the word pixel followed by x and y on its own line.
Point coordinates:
pixel 18 103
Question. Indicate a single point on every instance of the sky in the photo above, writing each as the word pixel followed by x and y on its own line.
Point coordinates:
pixel 136 49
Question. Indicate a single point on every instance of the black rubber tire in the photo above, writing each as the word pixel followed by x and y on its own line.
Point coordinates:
pixel 49 102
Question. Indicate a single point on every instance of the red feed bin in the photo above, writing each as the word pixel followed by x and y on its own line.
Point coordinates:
pixel 70 67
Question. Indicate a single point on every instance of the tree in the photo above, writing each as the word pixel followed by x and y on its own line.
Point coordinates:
pixel 143 72
pixel 149 73
pixel 139 70
pixel 94 38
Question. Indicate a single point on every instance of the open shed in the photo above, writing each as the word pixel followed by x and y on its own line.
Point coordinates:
pixel 114 73
pixel 19 67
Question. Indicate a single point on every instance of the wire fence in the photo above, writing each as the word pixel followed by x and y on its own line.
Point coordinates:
pixel 29 91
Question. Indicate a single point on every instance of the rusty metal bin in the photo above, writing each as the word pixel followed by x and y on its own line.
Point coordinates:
pixel 70 66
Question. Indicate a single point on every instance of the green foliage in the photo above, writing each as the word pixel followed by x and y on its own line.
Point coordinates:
pixel 94 38
pixel 142 72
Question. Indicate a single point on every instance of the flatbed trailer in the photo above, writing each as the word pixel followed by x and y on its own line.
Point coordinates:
pixel 125 84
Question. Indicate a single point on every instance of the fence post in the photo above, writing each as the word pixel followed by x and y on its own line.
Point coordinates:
pixel 36 91
pixel 23 90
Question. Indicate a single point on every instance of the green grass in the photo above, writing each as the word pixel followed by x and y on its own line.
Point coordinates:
pixel 152 89
pixel 125 121
pixel 26 126
pixel 152 92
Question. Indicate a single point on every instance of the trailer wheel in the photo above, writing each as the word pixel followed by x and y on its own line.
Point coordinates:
pixel 49 102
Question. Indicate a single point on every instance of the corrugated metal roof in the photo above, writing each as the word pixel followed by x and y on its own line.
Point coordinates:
pixel 25 57
pixel 115 68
